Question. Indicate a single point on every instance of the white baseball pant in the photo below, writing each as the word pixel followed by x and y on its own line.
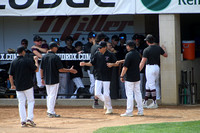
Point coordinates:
pixel 105 97
pixel 133 88
pixel 52 91
pixel 152 76
pixel 22 96
pixel 38 78
pixel 79 84
pixel 92 82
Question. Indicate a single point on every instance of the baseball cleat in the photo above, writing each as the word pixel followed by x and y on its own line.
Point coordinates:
pixel 30 123
pixel 23 124
pixel 104 107
pixel 127 115
pixel 53 115
pixel 140 114
pixel 144 104
pixel 96 106
pixel 152 106
pixel 109 111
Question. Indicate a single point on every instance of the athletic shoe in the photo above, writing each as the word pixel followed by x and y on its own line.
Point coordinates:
pixel 140 114
pixel 109 111
pixel 96 105
pixel 53 115
pixel 152 106
pixel 30 123
pixel 144 104
pixel 127 115
pixel 23 124
pixel 104 107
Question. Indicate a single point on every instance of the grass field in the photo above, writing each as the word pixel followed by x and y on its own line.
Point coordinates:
pixel 173 127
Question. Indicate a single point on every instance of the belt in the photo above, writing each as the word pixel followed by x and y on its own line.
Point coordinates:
pixel 152 64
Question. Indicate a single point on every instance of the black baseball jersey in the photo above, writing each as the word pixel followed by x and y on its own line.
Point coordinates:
pixel 99 61
pixel 152 53
pixel 87 49
pixel 50 64
pixel 76 64
pixel 22 69
pixel 132 62
pixel 140 49
pixel 94 48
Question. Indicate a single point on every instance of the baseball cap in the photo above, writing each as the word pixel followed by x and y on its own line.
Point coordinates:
pixel 20 49
pixel 149 38
pixel 115 38
pixel 79 43
pixel 130 43
pixel 24 41
pixel 102 44
pixel 91 35
pixel 53 44
pixel 136 36
pixel 122 36
pixel 37 38
pixel 100 36
pixel 69 38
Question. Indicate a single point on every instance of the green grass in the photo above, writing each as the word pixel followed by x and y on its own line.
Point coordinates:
pixel 173 127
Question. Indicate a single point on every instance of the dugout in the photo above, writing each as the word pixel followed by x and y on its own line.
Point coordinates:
pixel 170 22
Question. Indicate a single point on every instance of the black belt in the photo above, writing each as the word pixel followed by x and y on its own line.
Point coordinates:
pixel 152 64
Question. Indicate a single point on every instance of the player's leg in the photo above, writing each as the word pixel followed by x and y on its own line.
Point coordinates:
pixel 52 91
pixel 148 72
pixel 98 89
pixel 92 82
pixel 62 85
pixel 21 105
pixel 152 85
pixel 138 97
pixel 106 94
pixel 92 88
pixel 129 94
pixel 158 85
pixel 80 88
pixel 31 102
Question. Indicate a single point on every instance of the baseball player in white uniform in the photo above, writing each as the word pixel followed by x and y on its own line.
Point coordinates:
pixel 151 55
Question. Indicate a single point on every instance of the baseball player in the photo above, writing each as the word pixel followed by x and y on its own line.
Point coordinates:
pixel 20 75
pixel 100 37
pixel 87 49
pixel 131 75
pixel 102 74
pixel 37 50
pixel 151 55
pixel 51 65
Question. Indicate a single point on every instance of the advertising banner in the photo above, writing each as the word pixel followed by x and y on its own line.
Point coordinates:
pixel 65 7
pixel 167 6
pixel 14 29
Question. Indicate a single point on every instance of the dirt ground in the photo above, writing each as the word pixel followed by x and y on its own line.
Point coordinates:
pixel 87 120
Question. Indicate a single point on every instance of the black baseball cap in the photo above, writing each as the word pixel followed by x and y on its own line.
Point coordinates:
pixel 37 38
pixel 53 44
pixel 136 36
pixel 24 41
pixel 100 36
pixel 69 38
pixel 91 35
pixel 130 43
pixel 115 38
pixel 20 49
pixel 150 38
pixel 122 36
pixel 102 44
pixel 79 43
